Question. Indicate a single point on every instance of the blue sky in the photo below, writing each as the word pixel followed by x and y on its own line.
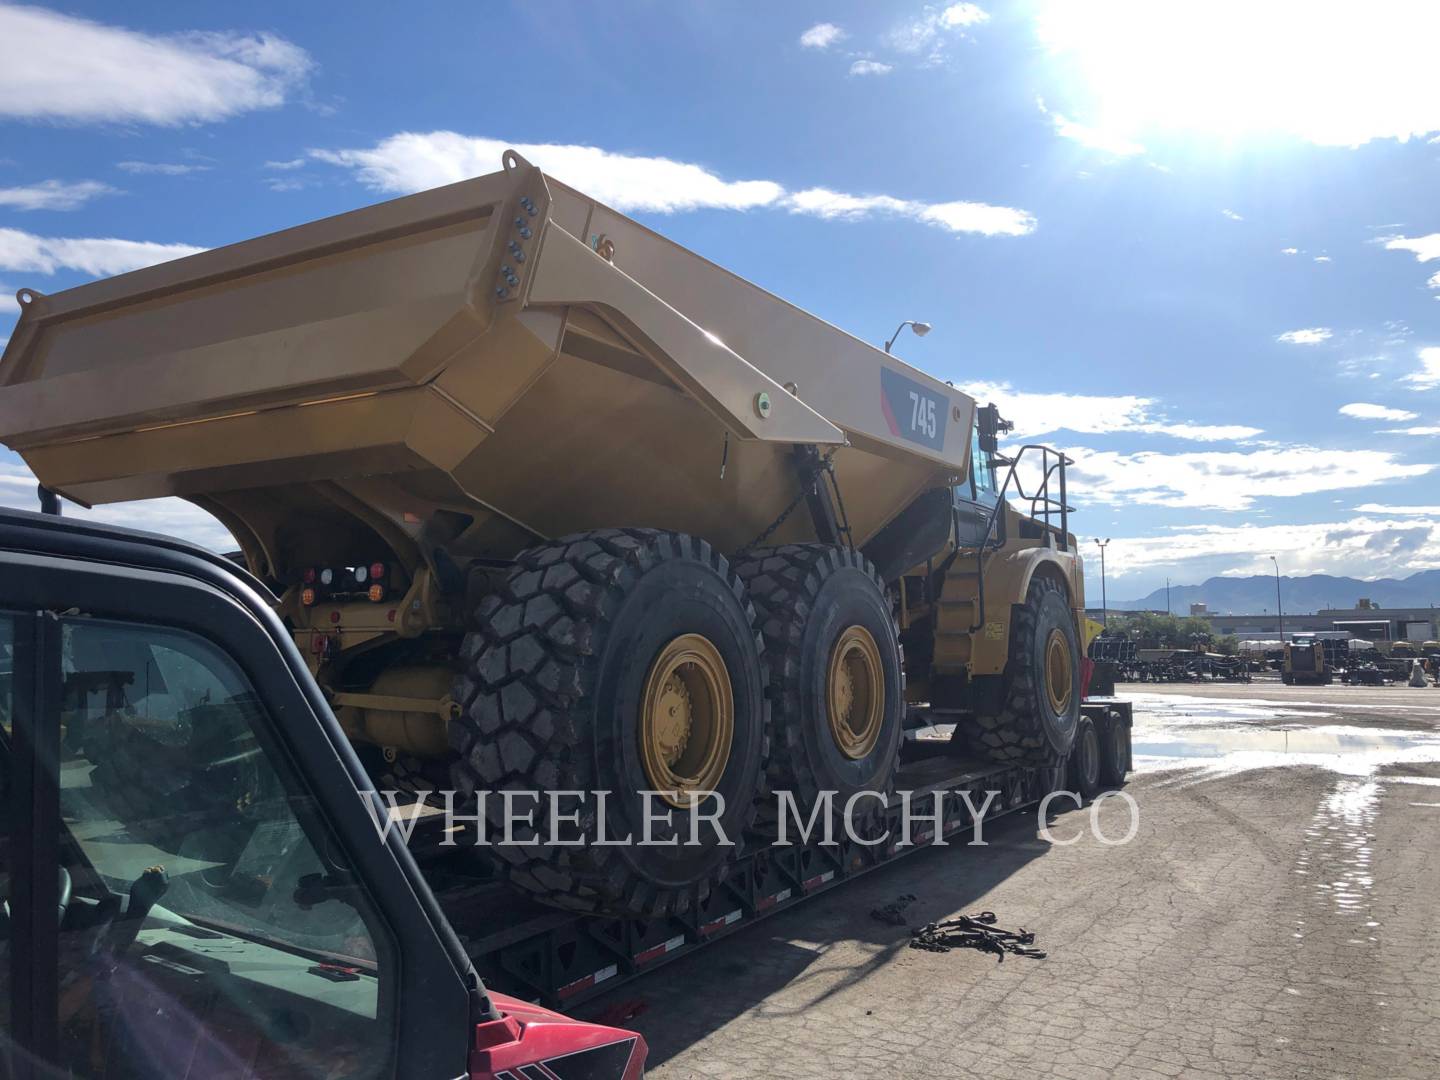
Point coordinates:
pixel 1195 245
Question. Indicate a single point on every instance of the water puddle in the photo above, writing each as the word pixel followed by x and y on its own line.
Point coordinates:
pixel 1206 739
pixel 1192 740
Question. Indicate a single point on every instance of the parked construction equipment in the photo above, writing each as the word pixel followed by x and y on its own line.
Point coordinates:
pixel 1311 660
pixel 551 503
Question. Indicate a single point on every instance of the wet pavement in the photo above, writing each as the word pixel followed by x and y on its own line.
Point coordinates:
pixel 1273 917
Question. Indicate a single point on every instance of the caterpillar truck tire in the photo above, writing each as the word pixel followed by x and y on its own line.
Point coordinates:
pixel 836 684
pixel 550 503
pixel 553 698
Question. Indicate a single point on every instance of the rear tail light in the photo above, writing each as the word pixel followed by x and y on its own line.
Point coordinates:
pixel 309 576
pixel 361 573
pixel 377 593
pixel 377 571
pixel 327 576
pixel 307 597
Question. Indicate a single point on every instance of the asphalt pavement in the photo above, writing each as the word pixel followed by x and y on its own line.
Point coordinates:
pixel 1274 916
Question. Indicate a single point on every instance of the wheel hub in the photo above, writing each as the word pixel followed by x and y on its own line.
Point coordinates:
pixel 855 693
pixel 687 720
pixel 1059 672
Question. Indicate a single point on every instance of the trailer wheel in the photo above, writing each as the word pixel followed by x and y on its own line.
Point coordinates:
pixel 1085 764
pixel 1114 751
pixel 836 686
pixel 1040 708
pixel 621 661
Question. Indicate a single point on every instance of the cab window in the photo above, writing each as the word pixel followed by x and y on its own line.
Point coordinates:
pixel 212 928
pixel 980 464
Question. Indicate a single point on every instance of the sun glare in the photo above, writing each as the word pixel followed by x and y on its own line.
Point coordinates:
pixel 1332 73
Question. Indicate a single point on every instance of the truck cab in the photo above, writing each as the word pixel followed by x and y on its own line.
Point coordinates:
pixel 243 915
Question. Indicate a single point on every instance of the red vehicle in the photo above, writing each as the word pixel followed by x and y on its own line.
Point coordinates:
pixel 260 927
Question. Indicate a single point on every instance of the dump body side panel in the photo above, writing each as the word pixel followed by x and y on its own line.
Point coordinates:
pixel 855 385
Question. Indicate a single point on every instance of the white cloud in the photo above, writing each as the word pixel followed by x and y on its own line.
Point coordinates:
pixel 1323 259
pixel 1428 377
pixel 927 32
pixel 1095 138
pixel 1363 411
pixel 957 217
pixel 160 168
pixel 1093 414
pixel 1326 71
pixel 1365 547
pixel 978 218
pixel 286 166
pixel 870 67
pixel 1228 480
pixel 63 68
pixel 412 161
pixel 1232 215
pixel 1418 431
pixel 1380 508
pixel 821 36
pixel 1312 336
pixel 54 195
pixel 1424 248
pixel 959 15
pixel 171 517
pixel 97 256
pixel 1289 251
pixel 1434 281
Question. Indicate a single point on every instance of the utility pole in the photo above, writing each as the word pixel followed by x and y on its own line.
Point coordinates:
pixel 1279 608
pixel 1167 596
pixel 1104 603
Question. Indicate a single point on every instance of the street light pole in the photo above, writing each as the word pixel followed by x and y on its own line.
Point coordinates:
pixel 920 329
pixel 1104 603
pixel 1279 608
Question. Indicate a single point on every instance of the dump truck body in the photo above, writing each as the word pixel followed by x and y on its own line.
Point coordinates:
pixel 360 377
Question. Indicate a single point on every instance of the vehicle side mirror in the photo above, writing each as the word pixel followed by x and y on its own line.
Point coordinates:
pixel 991 426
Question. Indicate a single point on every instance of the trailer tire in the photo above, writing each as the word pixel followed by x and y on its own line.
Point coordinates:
pixel 1085 760
pixel 1038 717
pixel 1114 750
pixel 813 600
pixel 557 673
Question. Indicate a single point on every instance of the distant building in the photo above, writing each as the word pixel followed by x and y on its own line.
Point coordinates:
pixel 1371 623
pixel 1200 610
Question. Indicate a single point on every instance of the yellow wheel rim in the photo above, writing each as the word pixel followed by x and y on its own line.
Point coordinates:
pixel 1059 672
pixel 855 693
pixel 687 720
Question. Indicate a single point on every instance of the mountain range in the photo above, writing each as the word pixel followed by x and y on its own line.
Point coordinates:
pixel 1302 595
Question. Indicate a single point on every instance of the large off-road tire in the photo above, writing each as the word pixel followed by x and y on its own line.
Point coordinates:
pixel 589 636
pixel 1040 694
pixel 836 686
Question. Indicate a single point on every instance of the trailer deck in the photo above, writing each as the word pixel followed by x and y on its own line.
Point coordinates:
pixel 526 949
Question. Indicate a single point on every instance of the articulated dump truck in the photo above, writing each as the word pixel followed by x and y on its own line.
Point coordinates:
pixel 553 504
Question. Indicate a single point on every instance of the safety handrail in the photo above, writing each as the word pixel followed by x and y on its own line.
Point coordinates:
pixel 1042 506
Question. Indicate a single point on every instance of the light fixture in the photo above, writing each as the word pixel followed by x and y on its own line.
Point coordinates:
pixel 920 329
